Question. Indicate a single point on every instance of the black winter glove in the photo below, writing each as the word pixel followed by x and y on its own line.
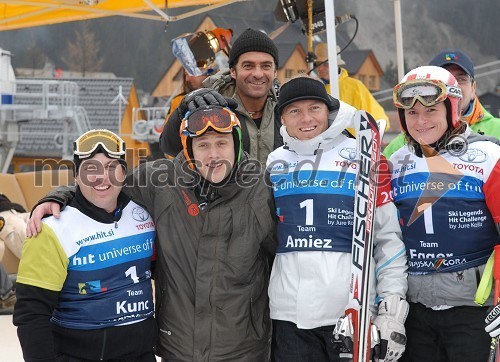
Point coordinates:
pixel 204 98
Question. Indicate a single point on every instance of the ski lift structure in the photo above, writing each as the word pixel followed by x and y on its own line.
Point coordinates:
pixel 22 100
pixel 59 99
pixel 17 14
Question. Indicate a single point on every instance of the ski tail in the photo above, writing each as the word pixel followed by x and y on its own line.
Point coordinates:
pixel 358 309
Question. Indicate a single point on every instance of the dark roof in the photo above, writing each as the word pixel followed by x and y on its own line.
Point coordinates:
pixel 285 51
pixel 286 41
pixel 95 95
pixel 354 59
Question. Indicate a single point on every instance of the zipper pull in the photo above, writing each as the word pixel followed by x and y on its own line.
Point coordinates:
pixel 116 215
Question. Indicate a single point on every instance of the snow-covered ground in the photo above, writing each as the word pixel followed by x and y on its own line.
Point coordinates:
pixel 9 344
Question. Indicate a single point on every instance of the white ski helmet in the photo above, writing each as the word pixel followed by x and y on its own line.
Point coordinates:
pixel 429 85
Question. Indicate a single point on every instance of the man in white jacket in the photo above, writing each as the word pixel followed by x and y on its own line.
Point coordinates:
pixel 313 178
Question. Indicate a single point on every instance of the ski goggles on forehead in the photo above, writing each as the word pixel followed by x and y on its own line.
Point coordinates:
pixel 428 92
pixel 87 143
pixel 220 119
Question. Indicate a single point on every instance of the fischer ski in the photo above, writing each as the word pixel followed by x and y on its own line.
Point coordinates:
pixel 355 330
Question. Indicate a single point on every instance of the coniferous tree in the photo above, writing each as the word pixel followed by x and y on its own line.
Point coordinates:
pixel 82 54
pixel 35 57
pixel 391 72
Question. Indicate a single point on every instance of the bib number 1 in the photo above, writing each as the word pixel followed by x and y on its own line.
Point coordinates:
pixel 132 273
pixel 308 204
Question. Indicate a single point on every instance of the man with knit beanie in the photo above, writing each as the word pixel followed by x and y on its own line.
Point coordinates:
pixel 253 63
pixel 313 182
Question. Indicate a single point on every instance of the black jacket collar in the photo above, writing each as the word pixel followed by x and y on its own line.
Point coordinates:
pixel 96 213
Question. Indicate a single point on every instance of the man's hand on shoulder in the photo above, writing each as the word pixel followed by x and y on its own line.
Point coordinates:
pixel 34 225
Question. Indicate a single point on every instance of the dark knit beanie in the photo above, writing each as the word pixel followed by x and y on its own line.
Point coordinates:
pixel 252 40
pixel 301 88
